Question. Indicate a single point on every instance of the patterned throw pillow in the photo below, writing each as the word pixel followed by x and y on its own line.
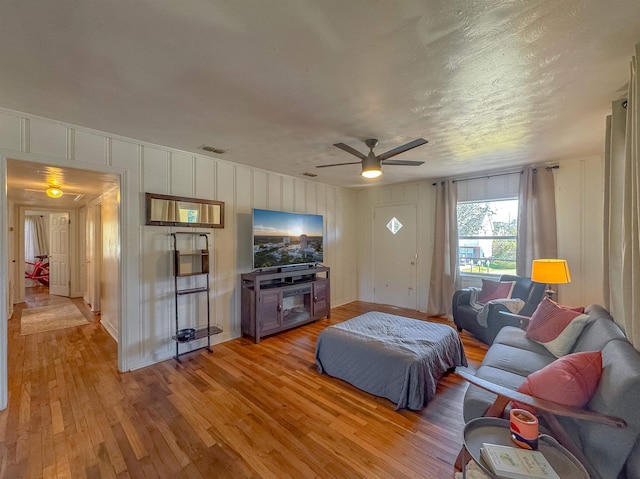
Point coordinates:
pixel 571 380
pixel 556 327
pixel 495 290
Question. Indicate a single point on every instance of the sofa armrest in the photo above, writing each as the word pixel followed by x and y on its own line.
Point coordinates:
pixel 461 296
pixel 506 318
pixel 548 410
pixel 542 405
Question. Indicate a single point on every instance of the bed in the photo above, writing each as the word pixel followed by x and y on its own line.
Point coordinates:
pixel 394 357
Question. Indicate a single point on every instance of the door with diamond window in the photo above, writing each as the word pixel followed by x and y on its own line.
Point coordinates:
pixel 394 255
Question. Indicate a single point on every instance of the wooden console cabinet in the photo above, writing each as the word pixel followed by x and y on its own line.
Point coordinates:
pixel 274 301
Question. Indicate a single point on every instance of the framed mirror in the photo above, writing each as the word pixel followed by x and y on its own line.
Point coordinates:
pixel 167 210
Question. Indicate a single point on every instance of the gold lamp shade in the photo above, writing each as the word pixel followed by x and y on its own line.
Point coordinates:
pixel 550 271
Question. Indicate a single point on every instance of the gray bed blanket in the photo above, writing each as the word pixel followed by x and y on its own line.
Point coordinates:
pixel 394 357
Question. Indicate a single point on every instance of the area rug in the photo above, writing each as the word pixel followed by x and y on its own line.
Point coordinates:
pixel 50 318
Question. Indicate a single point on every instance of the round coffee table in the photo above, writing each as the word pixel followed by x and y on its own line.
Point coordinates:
pixel 496 431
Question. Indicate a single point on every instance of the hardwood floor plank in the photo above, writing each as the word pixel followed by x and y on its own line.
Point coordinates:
pixel 244 411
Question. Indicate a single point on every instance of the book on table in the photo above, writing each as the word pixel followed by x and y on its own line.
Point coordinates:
pixel 516 463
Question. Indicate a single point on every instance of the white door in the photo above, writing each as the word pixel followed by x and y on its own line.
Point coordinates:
pixel 394 255
pixel 59 254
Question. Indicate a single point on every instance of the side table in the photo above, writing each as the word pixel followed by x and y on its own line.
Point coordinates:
pixel 496 431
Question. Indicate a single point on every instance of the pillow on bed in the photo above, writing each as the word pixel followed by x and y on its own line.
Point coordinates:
pixel 495 290
pixel 556 327
pixel 571 380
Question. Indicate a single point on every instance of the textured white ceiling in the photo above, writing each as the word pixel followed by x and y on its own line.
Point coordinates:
pixel 276 82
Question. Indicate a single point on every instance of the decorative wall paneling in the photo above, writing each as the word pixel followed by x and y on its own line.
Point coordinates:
pixel 579 210
pixel 146 304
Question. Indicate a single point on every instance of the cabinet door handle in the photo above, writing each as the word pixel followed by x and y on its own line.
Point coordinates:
pixel 315 299
pixel 279 307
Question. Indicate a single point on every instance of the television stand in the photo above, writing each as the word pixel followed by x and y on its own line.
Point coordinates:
pixel 274 301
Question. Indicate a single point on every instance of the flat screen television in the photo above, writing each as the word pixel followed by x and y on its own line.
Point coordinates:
pixel 282 239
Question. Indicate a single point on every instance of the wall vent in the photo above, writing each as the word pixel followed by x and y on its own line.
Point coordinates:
pixel 212 149
pixel 310 175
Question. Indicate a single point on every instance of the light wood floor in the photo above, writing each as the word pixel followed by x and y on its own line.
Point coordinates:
pixel 243 411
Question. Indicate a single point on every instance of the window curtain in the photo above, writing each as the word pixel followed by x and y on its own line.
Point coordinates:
pixel 445 275
pixel 35 237
pixel 537 233
pixel 622 210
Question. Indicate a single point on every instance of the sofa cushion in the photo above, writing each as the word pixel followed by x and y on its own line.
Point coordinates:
pixel 495 290
pixel 598 331
pixel 516 337
pixel 478 400
pixel 516 360
pixel 556 327
pixel 617 395
pixel 571 380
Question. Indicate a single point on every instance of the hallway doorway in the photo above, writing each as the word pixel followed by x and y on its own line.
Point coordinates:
pixel 26 183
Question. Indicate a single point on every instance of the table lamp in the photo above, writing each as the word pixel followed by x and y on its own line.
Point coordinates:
pixel 550 271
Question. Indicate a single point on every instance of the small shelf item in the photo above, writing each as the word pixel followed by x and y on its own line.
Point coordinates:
pixel 191 264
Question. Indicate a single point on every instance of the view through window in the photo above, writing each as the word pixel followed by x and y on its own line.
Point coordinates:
pixel 487 233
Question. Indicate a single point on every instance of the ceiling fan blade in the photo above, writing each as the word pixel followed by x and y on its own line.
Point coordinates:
pixel 403 162
pixel 339 164
pixel 402 149
pixel 353 151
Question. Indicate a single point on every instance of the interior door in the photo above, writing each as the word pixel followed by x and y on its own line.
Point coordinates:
pixel 394 255
pixel 59 254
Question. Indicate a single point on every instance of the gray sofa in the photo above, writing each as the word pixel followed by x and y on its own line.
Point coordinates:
pixel 613 452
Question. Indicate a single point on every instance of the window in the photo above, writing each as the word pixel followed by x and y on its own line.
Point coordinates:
pixel 487 233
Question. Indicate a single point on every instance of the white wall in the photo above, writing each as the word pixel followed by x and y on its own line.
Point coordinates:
pixel 579 210
pixel 110 261
pixel 146 304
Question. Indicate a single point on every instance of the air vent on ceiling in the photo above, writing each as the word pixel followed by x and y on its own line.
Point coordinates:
pixel 310 175
pixel 212 149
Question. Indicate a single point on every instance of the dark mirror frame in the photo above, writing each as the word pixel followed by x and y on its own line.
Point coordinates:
pixel 184 199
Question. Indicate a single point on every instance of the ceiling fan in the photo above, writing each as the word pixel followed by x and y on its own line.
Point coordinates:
pixel 372 163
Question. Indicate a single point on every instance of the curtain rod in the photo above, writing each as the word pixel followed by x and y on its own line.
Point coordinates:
pixel 548 168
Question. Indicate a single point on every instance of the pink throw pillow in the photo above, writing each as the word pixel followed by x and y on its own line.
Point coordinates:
pixel 556 327
pixel 571 380
pixel 495 290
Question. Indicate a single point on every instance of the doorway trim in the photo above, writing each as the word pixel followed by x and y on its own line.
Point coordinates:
pixel 4 282
pixel 121 173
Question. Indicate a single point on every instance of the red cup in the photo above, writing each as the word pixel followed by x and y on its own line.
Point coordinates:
pixel 524 428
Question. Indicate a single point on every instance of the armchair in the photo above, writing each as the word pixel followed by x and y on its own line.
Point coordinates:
pixel 466 317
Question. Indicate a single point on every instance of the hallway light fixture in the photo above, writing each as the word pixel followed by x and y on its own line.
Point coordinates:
pixel 54 192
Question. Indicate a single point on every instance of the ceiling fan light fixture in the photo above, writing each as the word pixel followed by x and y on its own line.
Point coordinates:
pixel 371 172
pixel 54 192
pixel 371 167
